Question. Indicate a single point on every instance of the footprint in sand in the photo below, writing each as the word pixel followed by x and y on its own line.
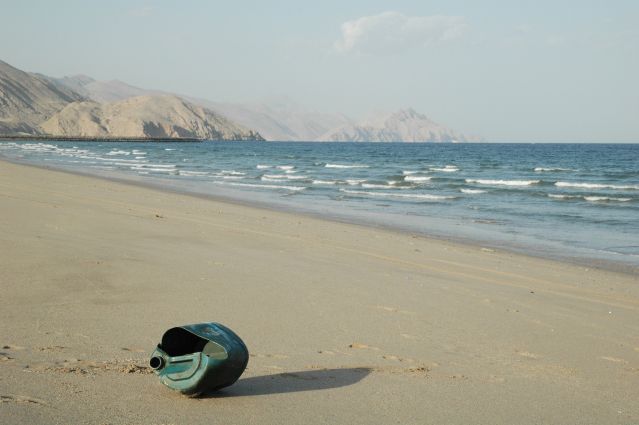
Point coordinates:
pixel 411 371
pixel 528 355
pixel 614 359
pixel 134 350
pixel 408 336
pixel 12 347
pixel 51 348
pixel 270 356
pixel 393 309
pixel 10 398
pixel 360 346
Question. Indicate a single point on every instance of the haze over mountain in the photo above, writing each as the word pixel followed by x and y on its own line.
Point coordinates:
pixel 405 125
pixel 82 106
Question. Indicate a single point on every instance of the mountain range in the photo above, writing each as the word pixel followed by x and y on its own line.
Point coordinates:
pixel 81 106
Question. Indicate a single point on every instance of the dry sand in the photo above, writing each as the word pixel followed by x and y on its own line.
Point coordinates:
pixel 345 324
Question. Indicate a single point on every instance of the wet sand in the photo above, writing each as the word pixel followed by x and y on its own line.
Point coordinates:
pixel 345 323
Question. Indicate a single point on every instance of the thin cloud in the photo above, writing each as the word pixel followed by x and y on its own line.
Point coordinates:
pixel 391 32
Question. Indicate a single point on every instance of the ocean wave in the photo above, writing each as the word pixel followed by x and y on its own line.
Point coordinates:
pixel 472 191
pixel 354 182
pixel 154 169
pixel 232 173
pixel 584 185
pixel 561 196
pixel 551 169
pixel 159 165
pixel 285 167
pixel 606 199
pixel 267 186
pixel 375 186
pixel 446 169
pixel 417 178
pixel 503 182
pixel 187 173
pixel 409 172
pixel 422 196
pixel 345 166
pixel 590 198
pixel 262 167
pixel 324 182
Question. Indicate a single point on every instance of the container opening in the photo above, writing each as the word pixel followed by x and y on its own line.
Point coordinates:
pixel 178 342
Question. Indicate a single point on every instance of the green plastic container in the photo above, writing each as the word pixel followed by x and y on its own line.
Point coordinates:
pixel 204 357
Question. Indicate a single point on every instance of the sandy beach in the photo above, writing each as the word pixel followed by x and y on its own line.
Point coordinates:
pixel 344 323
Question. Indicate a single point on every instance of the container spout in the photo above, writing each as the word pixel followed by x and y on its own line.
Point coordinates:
pixel 156 362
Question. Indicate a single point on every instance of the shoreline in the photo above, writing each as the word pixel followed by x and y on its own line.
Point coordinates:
pixel 102 139
pixel 344 323
pixel 156 184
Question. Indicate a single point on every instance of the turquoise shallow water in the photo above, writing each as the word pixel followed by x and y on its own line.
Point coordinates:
pixel 569 201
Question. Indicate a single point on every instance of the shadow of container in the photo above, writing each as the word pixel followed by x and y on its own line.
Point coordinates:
pixel 198 358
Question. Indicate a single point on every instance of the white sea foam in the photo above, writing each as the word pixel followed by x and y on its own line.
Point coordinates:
pixel 268 186
pixel 472 191
pixel 169 149
pixel 503 182
pixel 417 178
pixel 581 185
pixel 193 173
pixel 325 182
pixel 550 169
pixel 421 196
pixel 157 170
pixel 376 186
pixel 285 167
pixel 262 167
pixel 561 196
pixel 233 173
pixel 274 176
pixel 446 169
pixel 159 165
pixel 590 198
pixel 119 161
pixel 355 182
pixel 119 152
pixel 137 152
pixel 408 172
pixel 345 166
pixel 605 199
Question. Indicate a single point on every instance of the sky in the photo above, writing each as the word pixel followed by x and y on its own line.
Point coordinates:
pixel 529 71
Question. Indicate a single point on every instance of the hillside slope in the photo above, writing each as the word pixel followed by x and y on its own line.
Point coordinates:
pixel 145 116
pixel 27 99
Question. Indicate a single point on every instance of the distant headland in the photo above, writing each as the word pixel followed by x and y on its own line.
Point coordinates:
pixel 40 107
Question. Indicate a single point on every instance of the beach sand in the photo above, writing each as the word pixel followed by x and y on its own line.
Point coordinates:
pixel 344 323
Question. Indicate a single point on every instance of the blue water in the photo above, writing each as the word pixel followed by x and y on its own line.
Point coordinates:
pixel 568 201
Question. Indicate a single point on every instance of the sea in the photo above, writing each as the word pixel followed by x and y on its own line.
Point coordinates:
pixel 575 202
